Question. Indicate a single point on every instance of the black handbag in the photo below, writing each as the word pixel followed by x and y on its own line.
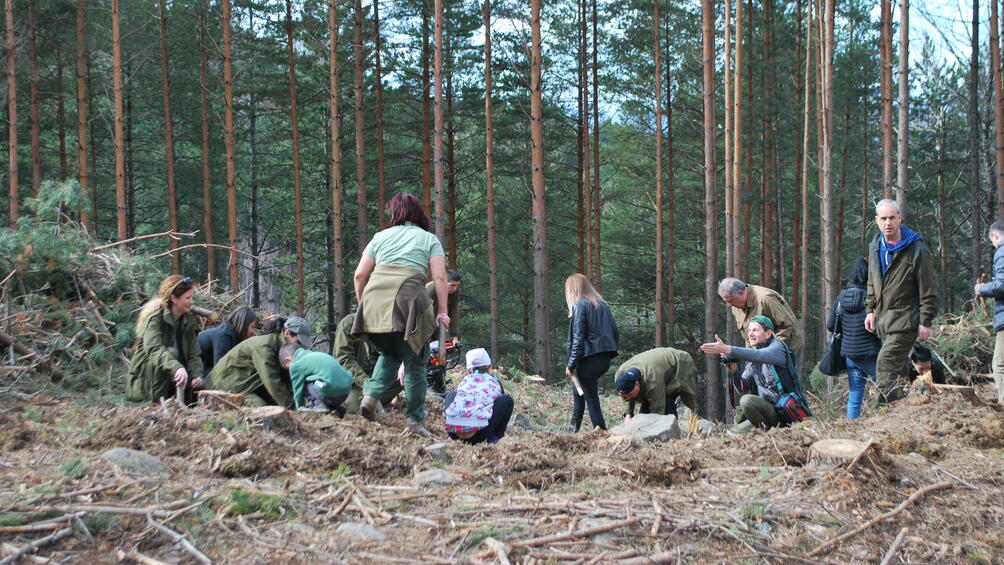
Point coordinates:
pixel 833 362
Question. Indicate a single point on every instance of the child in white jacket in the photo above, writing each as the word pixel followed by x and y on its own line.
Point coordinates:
pixel 479 410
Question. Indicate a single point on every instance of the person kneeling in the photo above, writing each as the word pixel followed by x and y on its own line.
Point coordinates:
pixel 319 381
pixel 772 395
pixel 479 409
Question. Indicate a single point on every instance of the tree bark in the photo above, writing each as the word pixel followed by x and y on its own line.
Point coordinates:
pixel 360 122
pixel 768 241
pixel 11 119
pixel 737 145
pixel 827 251
pixel 660 306
pixel 670 263
pixel 597 188
pixel 439 213
pixel 585 173
pixel 942 209
pixel 715 404
pixel 228 140
pixel 731 245
pixel 338 244
pixel 294 123
pixel 451 188
pixel 36 130
pixel 61 118
pixel 974 144
pixel 378 80
pixel 172 197
pixel 903 147
pixel 426 114
pixel 207 185
pixel 801 94
pixel 885 90
pixel 542 338
pixel 493 286
pixel 130 167
pixel 995 66
pixel 803 279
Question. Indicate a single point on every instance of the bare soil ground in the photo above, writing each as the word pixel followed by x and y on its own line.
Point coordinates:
pixel 239 494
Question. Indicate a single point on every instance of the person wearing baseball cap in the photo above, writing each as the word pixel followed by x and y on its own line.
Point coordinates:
pixel 657 380
pixel 479 410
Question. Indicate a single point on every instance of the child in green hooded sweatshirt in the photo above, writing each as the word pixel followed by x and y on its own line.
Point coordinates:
pixel 320 383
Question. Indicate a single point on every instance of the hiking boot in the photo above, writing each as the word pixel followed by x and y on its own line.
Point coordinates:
pixel 368 408
pixel 740 429
pixel 416 427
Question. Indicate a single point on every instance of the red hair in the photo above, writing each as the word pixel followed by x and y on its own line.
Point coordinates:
pixel 404 207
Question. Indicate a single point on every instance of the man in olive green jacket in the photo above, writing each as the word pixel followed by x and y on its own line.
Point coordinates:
pixel 902 299
pixel 252 368
pixel 358 357
pixel 748 301
pixel 657 378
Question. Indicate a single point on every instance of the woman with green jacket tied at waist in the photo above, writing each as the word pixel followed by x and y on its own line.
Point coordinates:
pixel 167 354
pixel 395 312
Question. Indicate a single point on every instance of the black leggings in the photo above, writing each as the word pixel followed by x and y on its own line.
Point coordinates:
pixel 590 370
pixel 497 424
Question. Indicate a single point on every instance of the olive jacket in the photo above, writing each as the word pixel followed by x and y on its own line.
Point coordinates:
pixel 664 372
pixel 762 301
pixel 906 295
pixel 395 300
pixel 356 355
pixel 159 353
pixel 252 364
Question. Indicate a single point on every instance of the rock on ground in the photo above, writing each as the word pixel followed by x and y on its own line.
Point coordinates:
pixel 135 461
pixel 649 427
pixel 359 530
pixel 436 477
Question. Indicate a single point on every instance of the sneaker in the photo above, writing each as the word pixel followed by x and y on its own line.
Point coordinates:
pixel 320 409
pixel 416 427
pixel 368 408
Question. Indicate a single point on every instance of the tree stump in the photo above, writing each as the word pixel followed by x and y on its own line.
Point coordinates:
pixel 219 399
pixel 967 392
pixel 272 419
pixel 843 452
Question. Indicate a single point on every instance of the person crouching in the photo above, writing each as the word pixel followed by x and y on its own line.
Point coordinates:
pixel 479 409
pixel 319 381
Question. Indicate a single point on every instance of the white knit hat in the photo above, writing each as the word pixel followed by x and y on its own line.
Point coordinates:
pixel 478 358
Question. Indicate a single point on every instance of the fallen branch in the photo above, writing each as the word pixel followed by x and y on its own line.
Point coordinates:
pixel 664 557
pixel 138 558
pixel 43 363
pixel 31 547
pixel 870 444
pixel 895 511
pixel 499 549
pixel 179 539
pixel 68 508
pixel 171 234
pixel 576 534
pixel 895 546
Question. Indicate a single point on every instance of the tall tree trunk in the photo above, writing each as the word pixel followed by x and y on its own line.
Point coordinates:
pixel 731 243
pixel 82 119
pixel 827 250
pixel 796 228
pixel 338 245
pixel 737 144
pixel 253 216
pixel 885 91
pixel 768 242
pixel 670 263
pixel 585 173
pixel 942 210
pixel 11 118
pixel 378 80
pixel 581 193
pixel 426 113
pixel 903 147
pixel 803 278
pixel 839 248
pixel 542 337
pixel 92 154
pixel 61 117
pixel 439 214
pixel 660 306
pixel 294 123
pixel 746 164
pixel 995 71
pixel 207 184
pixel 865 152
pixel 451 187
pixel 974 144
pixel 36 130
pixel 129 161
pixel 714 398
pixel 228 140
pixel 172 198
pixel 358 63
pixel 493 284
pixel 119 128
pixel 597 199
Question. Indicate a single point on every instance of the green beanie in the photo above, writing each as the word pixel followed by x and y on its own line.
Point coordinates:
pixel 764 321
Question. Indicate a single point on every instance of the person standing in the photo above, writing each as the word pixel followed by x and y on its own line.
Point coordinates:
pixel 167 354
pixel 860 347
pixel 747 301
pixel 395 312
pixel 902 297
pixel 592 344
pixel 995 289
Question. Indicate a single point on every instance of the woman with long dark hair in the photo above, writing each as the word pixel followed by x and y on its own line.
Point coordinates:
pixel 860 347
pixel 395 312
pixel 592 344
pixel 214 343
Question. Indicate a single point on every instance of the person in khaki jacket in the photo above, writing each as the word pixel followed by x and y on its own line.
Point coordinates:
pixel 902 298
pixel 167 352
pixel 746 301
pixel 656 379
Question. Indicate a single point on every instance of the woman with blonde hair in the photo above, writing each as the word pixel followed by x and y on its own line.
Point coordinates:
pixel 592 344
pixel 167 354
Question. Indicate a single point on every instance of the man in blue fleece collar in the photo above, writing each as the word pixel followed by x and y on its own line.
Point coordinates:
pixel 902 299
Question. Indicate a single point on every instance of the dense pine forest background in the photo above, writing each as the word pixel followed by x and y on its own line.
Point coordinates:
pixel 127 106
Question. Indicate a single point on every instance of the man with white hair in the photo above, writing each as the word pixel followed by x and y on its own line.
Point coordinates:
pixel 747 301
pixel 902 298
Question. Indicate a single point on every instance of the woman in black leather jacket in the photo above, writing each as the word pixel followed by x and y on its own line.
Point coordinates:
pixel 592 344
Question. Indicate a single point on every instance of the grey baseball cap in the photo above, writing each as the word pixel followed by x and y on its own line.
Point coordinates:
pixel 301 328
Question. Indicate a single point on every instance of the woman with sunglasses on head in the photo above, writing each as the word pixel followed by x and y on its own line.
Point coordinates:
pixel 167 356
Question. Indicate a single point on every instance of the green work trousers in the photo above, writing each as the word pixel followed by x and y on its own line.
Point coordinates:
pixel 758 411
pixel 356 397
pixel 892 371
pixel 393 352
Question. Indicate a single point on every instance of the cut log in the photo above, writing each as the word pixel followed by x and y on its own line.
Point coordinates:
pixel 205 313
pixel 44 365
pixel 219 399
pixel 830 452
pixel 967 392
pixel 272 419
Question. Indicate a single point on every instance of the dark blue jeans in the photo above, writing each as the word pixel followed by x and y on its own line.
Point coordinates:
pixel 590 370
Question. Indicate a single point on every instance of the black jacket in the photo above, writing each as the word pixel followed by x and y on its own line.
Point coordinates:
pixel 858 342
pixel 215 343
pixel 591 330
pixel 995 288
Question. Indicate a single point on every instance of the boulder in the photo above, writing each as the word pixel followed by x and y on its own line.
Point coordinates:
pixel 133 461
pixel 436 477
pixel 649 427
